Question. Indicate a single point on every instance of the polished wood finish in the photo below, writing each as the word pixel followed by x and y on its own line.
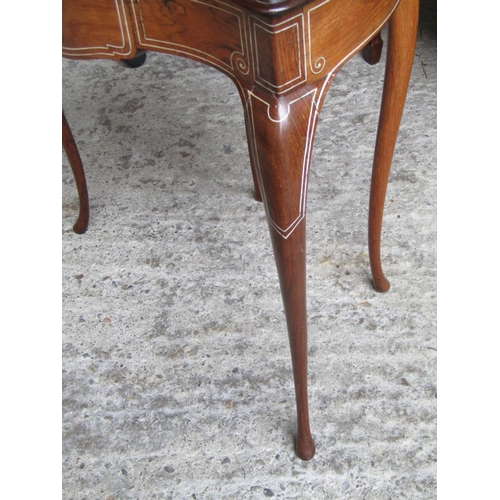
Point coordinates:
pixel 400 52
pixel 282 174
pixel 282 57
pixel 97 29
pixel 76 164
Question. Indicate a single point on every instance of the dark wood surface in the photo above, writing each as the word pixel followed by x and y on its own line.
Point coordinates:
pixel 282 57
pixel 271 7
pixel 71 150
pixel 373 51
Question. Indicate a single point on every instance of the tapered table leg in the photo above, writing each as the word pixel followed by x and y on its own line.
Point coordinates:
pixel 75 161
pixel 290 256
pixel 401 48
pixel 280 132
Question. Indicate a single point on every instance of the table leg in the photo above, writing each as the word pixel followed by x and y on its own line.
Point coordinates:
pixel 290 257
pixel 253 163
pixel 75 161
pixel 137 61
pixel 280 133
pixel 401 48
pixel 373 51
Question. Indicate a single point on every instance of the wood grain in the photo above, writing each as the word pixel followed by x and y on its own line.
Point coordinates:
pixel 282 57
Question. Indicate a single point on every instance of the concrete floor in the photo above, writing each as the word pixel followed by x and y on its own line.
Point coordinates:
pixel 176 369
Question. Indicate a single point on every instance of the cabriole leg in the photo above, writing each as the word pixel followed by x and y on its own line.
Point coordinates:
pixel 280 134
pixel 75 161
pixel 401 48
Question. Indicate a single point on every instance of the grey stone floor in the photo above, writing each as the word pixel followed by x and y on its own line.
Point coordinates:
pixel 176 370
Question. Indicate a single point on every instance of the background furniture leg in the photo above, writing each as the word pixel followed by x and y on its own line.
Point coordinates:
pixel 75 161
pixel 373 51
pixel 137 61
pixel 401 48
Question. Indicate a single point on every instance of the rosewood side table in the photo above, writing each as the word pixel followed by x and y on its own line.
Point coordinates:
pixel 282 55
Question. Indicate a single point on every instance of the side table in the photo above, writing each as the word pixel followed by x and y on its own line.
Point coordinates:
pixel 282 56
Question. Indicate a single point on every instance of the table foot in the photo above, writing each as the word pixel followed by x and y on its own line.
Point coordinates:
pixel 305 448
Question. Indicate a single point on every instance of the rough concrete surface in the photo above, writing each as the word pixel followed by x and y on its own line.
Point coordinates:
pixel 177 376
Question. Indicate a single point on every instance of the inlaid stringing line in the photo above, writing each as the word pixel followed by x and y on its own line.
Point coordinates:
pixel 121 13
pixel 307 152
pixel 253 48
pixel 310 43
pixel 305 163
pixel 357 49
pixel 225 68
pixel 311 126
pixel 295 25
pixel 251 94
pixel 185 49
pixel 243 33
